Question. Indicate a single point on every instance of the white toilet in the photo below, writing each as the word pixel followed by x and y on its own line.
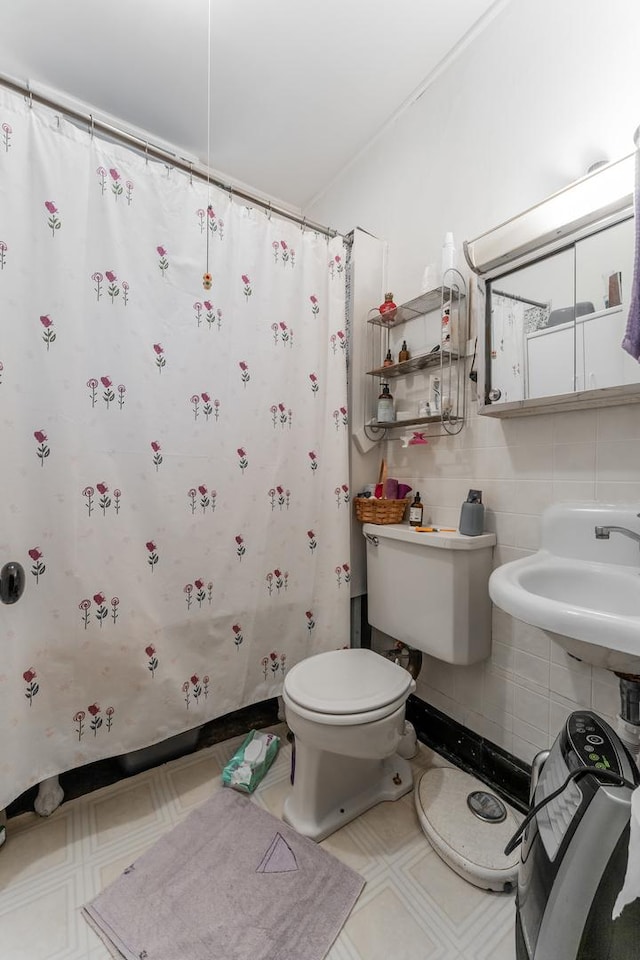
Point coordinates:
pixel 346 708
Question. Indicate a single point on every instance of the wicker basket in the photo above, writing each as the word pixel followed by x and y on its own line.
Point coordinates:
pixel 370 510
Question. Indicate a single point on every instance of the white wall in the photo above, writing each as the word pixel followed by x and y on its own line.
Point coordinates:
pixel 545 91
pixel 368 256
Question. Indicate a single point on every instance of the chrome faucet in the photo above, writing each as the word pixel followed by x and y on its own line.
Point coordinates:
pixel 602 533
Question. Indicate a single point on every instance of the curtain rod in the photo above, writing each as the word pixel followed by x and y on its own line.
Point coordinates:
pixel 157 153
pixel 514 296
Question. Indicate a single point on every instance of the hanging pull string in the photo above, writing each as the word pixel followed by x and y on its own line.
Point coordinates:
pixel 607 775
pixel 206 279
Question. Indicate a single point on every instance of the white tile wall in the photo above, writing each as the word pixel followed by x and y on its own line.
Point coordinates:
pixel 520 697
pixel 531 671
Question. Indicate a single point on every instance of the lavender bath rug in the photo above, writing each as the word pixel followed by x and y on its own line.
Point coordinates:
pixel 229 883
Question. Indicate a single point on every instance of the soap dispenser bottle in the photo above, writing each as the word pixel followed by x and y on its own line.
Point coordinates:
pixel 415 511
pixel 386 412
pixel 472 514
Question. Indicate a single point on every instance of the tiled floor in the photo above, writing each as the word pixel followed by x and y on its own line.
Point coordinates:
pixel 413 906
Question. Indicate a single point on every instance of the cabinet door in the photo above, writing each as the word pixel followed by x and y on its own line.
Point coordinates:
pixel 551 361
pixel 603 355
pixel 606 364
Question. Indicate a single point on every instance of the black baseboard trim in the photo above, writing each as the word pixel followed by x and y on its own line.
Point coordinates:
pixel 507 775
pixel 365 626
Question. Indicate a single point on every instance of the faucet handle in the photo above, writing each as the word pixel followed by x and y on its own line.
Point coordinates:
pixel 602 533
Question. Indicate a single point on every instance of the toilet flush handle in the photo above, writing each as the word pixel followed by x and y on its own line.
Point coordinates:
pixel 371 537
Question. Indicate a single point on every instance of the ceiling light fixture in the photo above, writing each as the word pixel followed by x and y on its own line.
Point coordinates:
pixel 603 193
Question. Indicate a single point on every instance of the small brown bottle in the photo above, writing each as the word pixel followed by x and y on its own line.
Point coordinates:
pixel 388 360
pixel 404 353
pixel 415 511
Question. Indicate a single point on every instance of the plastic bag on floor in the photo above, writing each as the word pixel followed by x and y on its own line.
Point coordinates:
pixel 251 761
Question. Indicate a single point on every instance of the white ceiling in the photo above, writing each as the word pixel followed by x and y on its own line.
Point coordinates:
pixel 298 87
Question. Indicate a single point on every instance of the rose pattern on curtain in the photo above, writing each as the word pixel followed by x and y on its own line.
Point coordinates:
pixel 174 459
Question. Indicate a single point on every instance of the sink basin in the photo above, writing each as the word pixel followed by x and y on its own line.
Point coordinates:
pixel 583 590
pixel 596 587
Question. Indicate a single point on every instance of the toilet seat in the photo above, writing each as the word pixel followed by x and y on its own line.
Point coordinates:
pixel 347 687
pixel 345 719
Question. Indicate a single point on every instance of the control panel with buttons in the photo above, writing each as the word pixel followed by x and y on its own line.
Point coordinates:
pixel 591 744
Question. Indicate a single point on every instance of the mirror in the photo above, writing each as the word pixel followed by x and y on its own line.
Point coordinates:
pixel 554 327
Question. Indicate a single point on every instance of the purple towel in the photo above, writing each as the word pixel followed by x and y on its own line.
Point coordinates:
pixel 631 341
pixel 391 489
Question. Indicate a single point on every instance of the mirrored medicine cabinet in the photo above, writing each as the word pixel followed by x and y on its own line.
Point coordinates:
pixel 555 315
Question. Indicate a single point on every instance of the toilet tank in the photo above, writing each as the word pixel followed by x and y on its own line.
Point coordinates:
pixel 430 590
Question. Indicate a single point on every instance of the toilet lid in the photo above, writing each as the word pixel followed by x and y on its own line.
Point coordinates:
pixel 346 682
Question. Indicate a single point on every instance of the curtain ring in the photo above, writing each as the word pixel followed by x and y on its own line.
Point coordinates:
pixel 269 210
pixel 91 127
pixel 30 98
pixel 191 172
pixel 304 224
pixel 146 153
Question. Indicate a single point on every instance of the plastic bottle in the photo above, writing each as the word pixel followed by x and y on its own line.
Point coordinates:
pixel 448 255
pixel 415 511
pixel 435 395
pixel 386 412
pixel 449 262
pixel 404 353
pixel 445 327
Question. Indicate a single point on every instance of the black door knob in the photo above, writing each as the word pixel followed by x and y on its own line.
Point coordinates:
pixel 12 582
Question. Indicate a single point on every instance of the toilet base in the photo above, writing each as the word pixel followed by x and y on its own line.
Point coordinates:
pixel 386 779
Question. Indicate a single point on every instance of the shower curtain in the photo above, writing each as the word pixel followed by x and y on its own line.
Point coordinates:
pixel 174 468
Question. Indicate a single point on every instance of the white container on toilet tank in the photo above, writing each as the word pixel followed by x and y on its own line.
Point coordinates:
pixel 430 590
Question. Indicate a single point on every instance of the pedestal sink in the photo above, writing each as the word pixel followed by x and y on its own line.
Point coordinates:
pixel 582 588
